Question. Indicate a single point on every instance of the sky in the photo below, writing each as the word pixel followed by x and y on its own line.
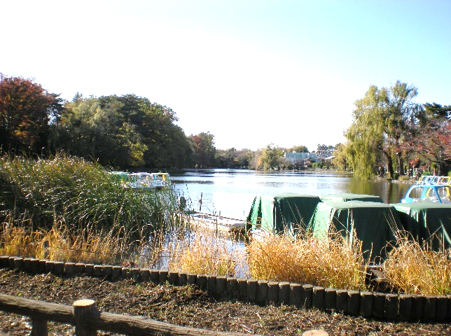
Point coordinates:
pixel 250 72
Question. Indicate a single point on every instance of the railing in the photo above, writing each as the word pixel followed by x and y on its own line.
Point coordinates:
pixel 88 320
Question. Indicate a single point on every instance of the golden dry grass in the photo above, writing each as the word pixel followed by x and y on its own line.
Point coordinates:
pixel 204 253
pixel 416 269
pixel 60 244
pixel 331 263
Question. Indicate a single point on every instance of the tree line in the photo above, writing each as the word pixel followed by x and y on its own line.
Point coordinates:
pixel 122 132
pixel 391 135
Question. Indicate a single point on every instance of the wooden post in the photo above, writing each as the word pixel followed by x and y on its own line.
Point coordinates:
pixel 39 326
pixel 84 308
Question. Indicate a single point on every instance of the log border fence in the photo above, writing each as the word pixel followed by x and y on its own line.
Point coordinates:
pixel 383 306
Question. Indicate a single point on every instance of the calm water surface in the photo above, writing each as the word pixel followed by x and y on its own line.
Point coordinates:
pixel 230 192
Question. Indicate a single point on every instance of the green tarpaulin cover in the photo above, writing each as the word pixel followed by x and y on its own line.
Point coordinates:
pixel 427 221
pixel 276 213
pixel 346 197
pixel 371 221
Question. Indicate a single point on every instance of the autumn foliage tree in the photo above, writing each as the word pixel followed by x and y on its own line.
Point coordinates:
pixel 26 111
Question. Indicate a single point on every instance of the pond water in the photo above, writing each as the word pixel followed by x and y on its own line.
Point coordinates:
pixel 230 192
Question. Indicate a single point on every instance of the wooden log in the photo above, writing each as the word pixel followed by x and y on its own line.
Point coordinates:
pixel 353 306
pixel 192 279
pixel 107 271
pixel 11 261
pixel 201 281
pixel 18 263
pixel 262 292
pixel 242 289
pixel 173 278
pixel 79 268
pixel 42 265
pixel 144 275
pixel 34 266
pixel 126 273
pixel 391 307
pixel 58 267
pixel 38 326
pixel 211 283
pixel 92 320
pixel 4 261
pixel 221 285
pixel 39 309
pixel 97 271
pixel 183 278
pixel 116 272
pixel 378 305
pixel 307 296
pixel 232 287
pixel 154 276
pixel 342 300
pixel 84 309
pixel 49 266
pixel 417 313
pixel 135 273
pixel 405 307
pixel 89 269
pixel 273 292
pixel 295 294
pixel 318 297
pixel 26 264
pixel 69 268
pixel 448 308
pixel 284 293
pixel 163 276
pixel 366 304
pixel 251 293
pixel 330 299
pixel 441 308
pixel 429 311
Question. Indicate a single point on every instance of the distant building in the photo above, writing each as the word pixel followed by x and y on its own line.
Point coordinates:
pixel 300 157
pixel 294 157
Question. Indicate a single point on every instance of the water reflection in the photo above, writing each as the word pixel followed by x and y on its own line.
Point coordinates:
pixel 231 191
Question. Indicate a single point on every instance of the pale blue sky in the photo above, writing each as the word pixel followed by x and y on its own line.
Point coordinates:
pixel 249 72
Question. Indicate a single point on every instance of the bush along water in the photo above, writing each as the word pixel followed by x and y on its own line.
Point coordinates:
pixel 70 195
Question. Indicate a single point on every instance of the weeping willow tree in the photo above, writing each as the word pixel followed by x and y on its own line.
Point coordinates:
pixel 378 129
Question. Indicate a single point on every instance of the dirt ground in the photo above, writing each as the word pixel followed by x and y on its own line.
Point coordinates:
pixel 187 306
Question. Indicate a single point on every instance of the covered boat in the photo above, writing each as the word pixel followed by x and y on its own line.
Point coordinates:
pixel 346 197
pixel 427 222
pixel 374 224
pixel 281 212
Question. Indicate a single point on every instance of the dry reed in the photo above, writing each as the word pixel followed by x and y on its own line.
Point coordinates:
pixel 328 263
pixel 204 253
pixel 416 269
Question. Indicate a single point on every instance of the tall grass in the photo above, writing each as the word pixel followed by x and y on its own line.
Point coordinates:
pixel 81 194
pixel 329 263
pixel 204 253
pixel 59 243
pixel 416 269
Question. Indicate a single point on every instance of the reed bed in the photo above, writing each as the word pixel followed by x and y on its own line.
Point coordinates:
pixel 328 263
pixel 202 252
pixel 414 268
pixel 81 194
pixel 61 244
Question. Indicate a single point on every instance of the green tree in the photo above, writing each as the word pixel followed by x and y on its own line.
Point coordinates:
pixel 26 112
pixel 298 149
pixel 203 149
pixel 380 122
pixel 271 157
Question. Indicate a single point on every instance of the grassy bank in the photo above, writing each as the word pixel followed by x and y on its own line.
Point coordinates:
pixel 78 205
